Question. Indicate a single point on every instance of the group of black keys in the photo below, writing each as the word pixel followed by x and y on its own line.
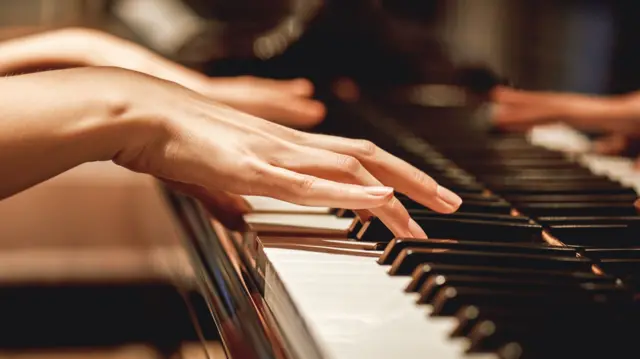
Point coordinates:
pixel 540 261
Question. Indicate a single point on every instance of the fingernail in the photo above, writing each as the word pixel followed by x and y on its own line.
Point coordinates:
pixel 379 191
pixel 416 230
pixel 449 197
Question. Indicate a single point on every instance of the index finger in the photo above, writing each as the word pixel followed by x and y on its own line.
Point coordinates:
pixel 392 171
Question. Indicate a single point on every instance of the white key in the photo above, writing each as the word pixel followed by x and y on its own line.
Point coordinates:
pixel 355 310
pixel 266 204
pixel 321 224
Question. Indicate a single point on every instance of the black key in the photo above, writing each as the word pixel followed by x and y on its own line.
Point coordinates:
pixel 572 198
pixel 469 316
pixel 615 189
pixel 449 300
pixel 425 213
pixel 473 206
pixel 625 267
pixel 462 229
pixel 411 258
pixel 428 270
pixel 586 209
pixel 612 253
pixel 398 244
pixel 599 235
pixel 433 285
pixel 575 220
pixel 478 163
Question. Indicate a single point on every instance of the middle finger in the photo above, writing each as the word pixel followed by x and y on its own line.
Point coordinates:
pixel 390 170
pixel 343 168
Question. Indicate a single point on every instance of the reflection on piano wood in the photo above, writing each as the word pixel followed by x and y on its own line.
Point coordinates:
pixel 538 263
pixel 91 267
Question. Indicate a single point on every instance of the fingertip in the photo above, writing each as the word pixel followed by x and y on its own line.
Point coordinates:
pixel 309 114
pixel 451 201
pixel 416 230
pixel 301 87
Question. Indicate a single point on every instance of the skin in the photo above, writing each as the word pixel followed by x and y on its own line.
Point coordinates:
pixel 197 145
pixel 521 110
pixel 287 102
pixel 617 116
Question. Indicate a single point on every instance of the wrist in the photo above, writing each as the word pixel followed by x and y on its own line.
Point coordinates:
pixel 133 120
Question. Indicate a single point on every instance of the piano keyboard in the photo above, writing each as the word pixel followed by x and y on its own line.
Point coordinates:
pixel 539 262
pixel 497 288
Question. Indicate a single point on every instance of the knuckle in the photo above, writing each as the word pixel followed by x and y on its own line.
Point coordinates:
pixel 348 164
pixel 366 148
pixel 419 176
pixel 254 179
pixel 394 203
pixel 424 180
pixel 306 184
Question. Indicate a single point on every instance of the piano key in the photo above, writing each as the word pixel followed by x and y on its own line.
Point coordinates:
pixel 469 316
pixel 462 229
pixel 472 206
pixel 425 213
pixel 426 271
pixel 577 209
pixel 261 204
pixel 394 248
pixel 623 267
pixel 572 198
pixel 410 258
pixel 450 300
pixel 351 305
pixel 433 285
pixel 612 253
pixel 567 220
pixel 301 224
pixel 565 189
pixel 598 235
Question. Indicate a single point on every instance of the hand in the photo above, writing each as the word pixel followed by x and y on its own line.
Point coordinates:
pixel 287 102
pixel 520 110
pixel 186 139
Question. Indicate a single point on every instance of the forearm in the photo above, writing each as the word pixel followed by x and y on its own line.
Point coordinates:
pixel 53 121
pixel 67 47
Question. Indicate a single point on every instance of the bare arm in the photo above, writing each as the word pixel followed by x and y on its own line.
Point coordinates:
pixel 51 122
pixel 282 101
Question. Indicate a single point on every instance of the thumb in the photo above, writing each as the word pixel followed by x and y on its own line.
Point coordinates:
pixel 225 207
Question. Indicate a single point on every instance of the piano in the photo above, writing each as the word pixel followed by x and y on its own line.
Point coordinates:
pixel 541 260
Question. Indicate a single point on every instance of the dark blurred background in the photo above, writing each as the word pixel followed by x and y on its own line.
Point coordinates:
pixel 573 45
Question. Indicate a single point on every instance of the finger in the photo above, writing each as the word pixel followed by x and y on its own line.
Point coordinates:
pixel 610 145
pixel 225 207
pixel 306 190
pixel 510 96
pixel 519 118
pixel 296 87
pixel 346 169
pixel 291 111
pixel 391 171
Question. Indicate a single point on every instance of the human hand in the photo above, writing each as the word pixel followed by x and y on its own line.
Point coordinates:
pixel 288 102
pixel 204 147
pixel 518 110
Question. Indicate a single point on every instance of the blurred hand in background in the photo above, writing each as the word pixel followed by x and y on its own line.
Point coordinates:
pixel 287 102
